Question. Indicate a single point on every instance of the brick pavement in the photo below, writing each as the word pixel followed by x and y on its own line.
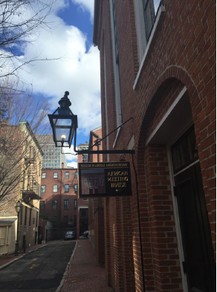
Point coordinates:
pixel 83 274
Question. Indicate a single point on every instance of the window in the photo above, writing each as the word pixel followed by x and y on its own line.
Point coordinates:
pixel 30 217
pixel 3 235
pixel 75 203
pixel 55 174
pixel 184 151
pixel 66 188
pixel 54 204
pixel 43 189
pixel 43 175
pixel 76 188
pixel 25 216
pixel 55 188
pixel 66 204
pixel 67 174
pixel 147 16
pixel 150 12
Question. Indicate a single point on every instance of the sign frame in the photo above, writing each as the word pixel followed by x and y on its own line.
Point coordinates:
pixel 104 179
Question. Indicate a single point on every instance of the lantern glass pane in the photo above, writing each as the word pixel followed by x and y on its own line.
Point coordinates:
pixel 63 122
pixel 62 134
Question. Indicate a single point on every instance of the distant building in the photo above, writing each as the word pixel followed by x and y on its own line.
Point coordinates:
pixel 60 205
pixel 83 157
pixel 53 156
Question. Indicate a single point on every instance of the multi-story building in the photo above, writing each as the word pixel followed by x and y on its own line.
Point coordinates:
pixel 60 208
pixel 158 76
pixel 83 157
pixel 20 177
pixel 53 156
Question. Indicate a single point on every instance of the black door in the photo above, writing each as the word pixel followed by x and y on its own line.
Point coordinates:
pixel 199 264
pixel 196 237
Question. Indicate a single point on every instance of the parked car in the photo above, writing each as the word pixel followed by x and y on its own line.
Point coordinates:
pixel 69 235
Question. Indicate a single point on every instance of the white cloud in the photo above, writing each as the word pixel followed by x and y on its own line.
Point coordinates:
pixel 71 157
pixel 87 5
pixel 70 67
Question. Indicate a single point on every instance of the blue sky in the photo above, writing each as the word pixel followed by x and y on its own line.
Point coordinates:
pixel 77 16
pixel 73 63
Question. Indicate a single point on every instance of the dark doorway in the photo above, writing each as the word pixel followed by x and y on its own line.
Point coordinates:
pixel 199 263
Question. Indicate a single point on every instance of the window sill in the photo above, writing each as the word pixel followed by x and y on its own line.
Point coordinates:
pixel 158 17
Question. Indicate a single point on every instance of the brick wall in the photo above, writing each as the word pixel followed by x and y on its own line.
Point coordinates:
pixel 181 56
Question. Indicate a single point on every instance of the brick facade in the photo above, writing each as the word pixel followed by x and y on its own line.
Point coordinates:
pixel 60 204
pixel 166 92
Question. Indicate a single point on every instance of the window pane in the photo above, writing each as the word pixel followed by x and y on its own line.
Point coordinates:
pixel 156 5
pixel 76 188
pixel 66 204
pixel 43 189
pixel 150 12
pixel 66 188
pixel 54 204
pixel 67 174
pixel 54 188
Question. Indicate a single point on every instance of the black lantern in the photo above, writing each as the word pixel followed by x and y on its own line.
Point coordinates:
pixel 63 123
pixel 18 206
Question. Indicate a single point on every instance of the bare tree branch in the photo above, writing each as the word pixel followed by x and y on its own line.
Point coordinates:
pixel 18 21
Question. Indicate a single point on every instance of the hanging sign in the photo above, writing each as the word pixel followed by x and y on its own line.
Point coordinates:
pixel 104 179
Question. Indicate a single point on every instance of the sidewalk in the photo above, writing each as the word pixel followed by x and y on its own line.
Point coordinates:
pixel 82 273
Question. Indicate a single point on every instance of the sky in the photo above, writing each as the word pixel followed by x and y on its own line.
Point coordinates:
pixel 72 63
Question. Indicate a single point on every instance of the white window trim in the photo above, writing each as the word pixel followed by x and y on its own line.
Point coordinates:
pixel 116 74
pixel 158 16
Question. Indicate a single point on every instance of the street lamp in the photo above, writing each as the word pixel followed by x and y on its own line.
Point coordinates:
pixel 63 123
pixel 17 208
pixel 64 126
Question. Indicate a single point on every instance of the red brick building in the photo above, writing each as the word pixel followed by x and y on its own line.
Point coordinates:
pixel 59 206
pixel 158 73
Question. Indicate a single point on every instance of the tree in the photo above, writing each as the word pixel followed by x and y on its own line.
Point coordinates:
pixel 16 142
pixel 18 21
pixel 20 161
